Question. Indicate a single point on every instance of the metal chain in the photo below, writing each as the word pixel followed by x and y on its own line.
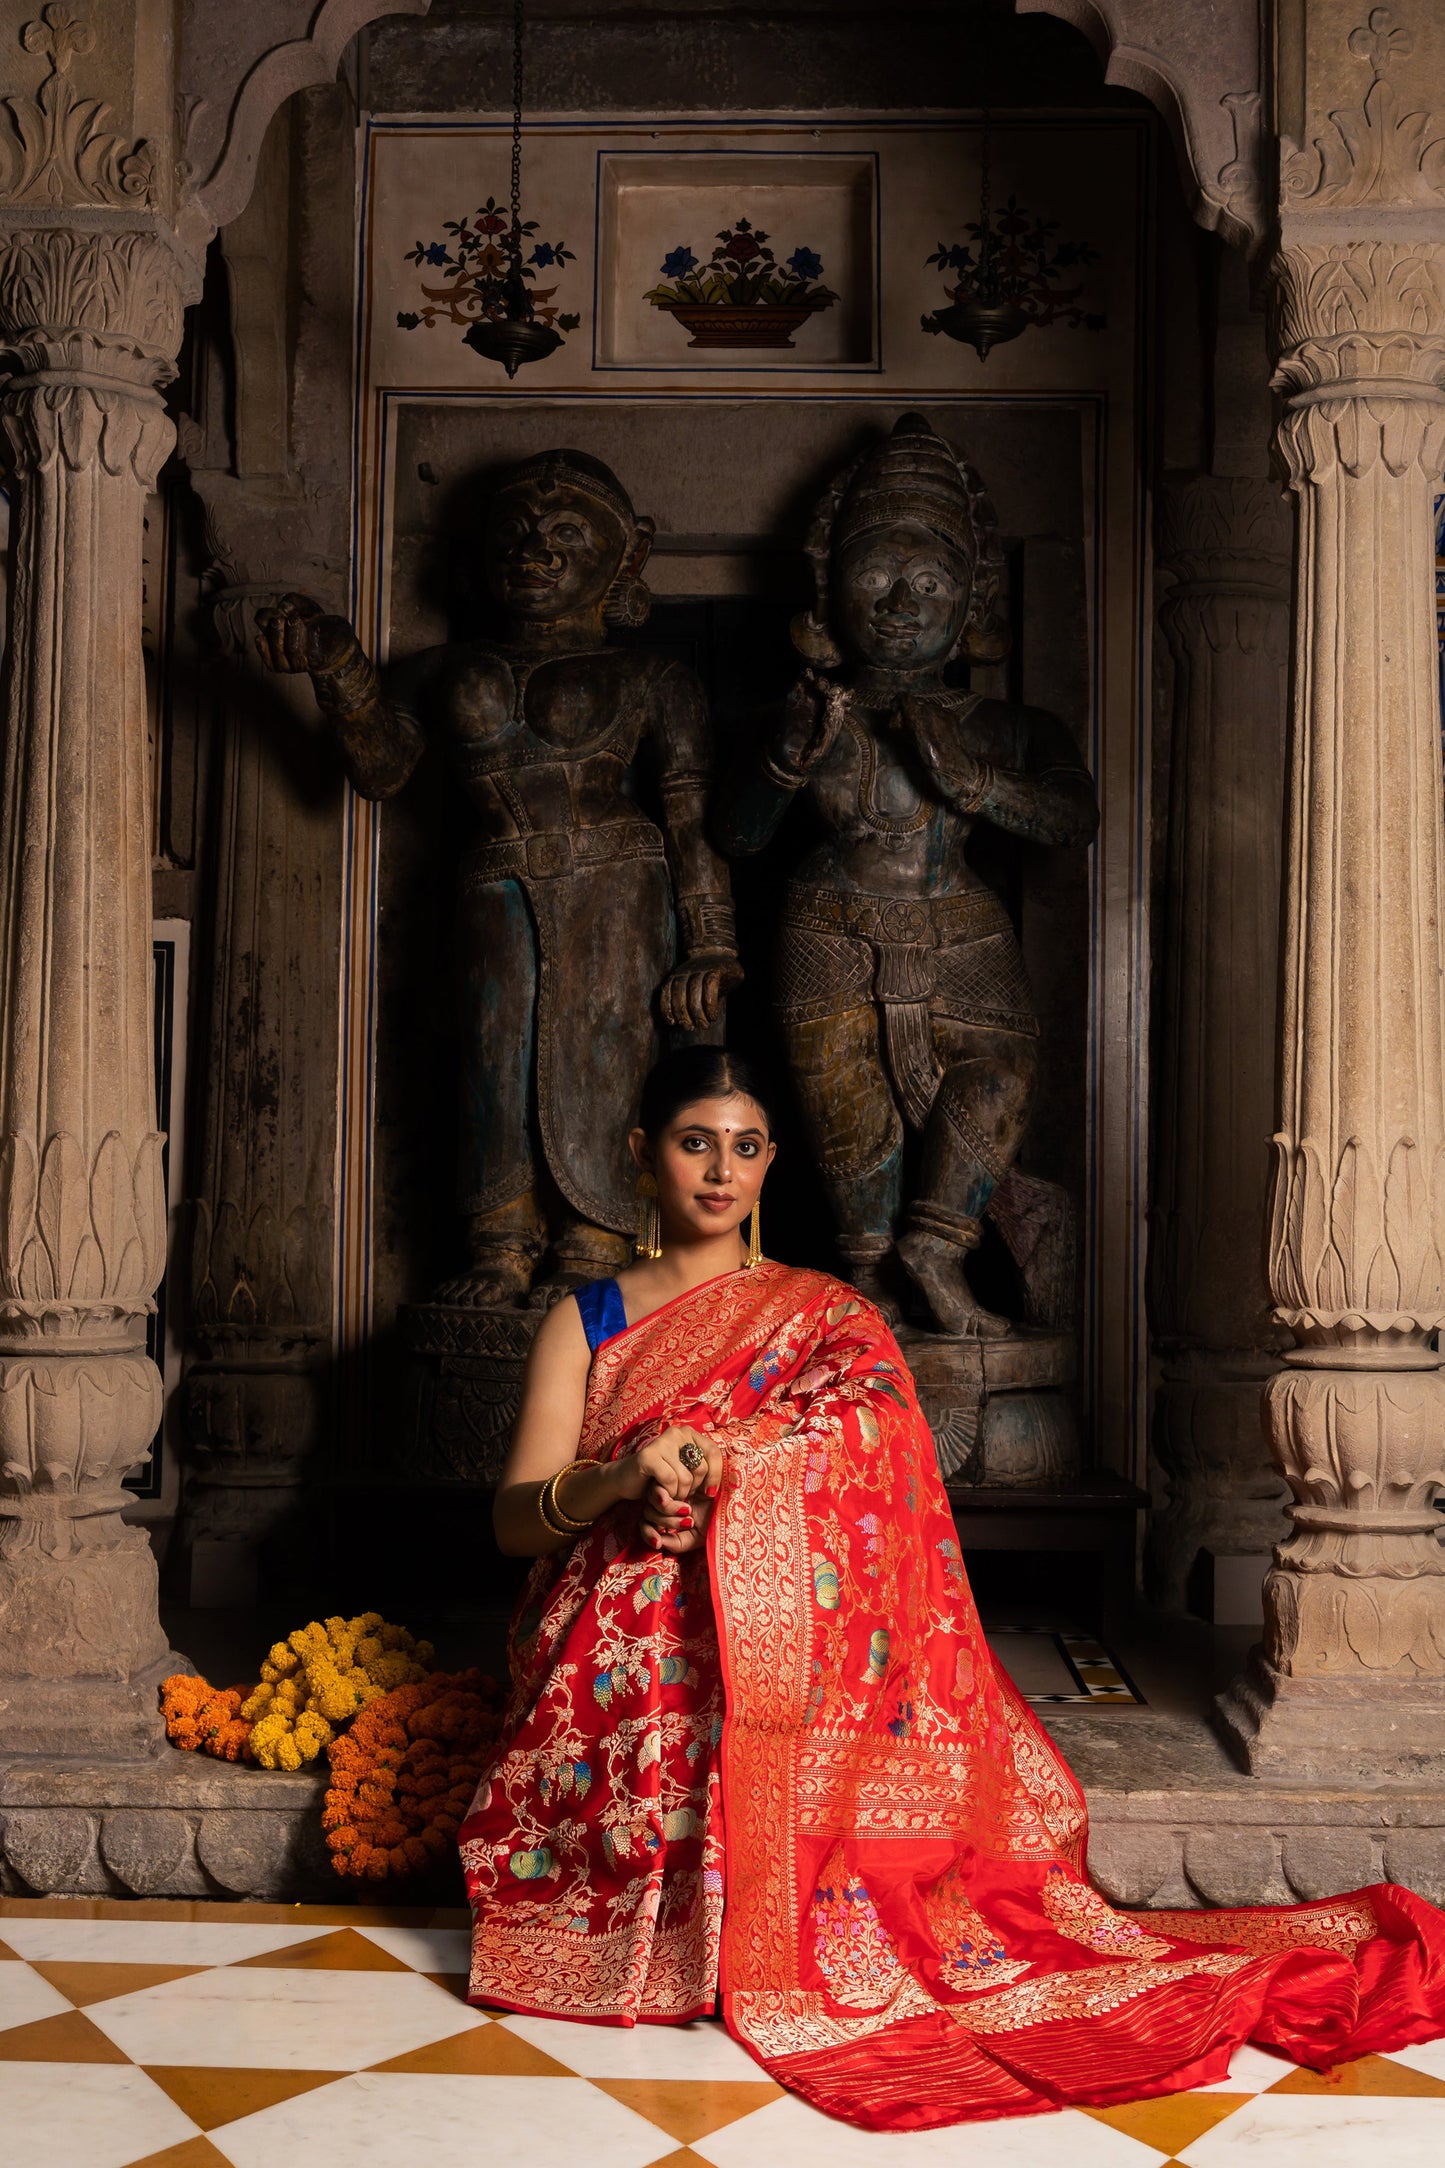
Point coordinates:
pixel 985 234
pixel 517 134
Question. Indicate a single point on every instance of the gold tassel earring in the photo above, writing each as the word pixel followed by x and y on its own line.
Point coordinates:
pixel 649 1226
pixel 755 1239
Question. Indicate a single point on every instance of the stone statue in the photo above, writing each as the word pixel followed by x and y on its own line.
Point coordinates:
pixel 901 990
pixel 580 921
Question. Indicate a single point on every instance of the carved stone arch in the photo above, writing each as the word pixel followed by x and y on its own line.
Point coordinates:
pixel 1201 69
pixel 235 76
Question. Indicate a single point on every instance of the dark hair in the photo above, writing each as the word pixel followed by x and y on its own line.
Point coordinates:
pixel 697 1072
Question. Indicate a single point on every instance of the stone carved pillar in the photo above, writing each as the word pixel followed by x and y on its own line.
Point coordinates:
pixel 1225 544
pixel 1351 1679
pixel 261 1226
pixel 89 324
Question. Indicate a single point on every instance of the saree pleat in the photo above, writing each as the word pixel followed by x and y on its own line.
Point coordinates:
pixel 790 1773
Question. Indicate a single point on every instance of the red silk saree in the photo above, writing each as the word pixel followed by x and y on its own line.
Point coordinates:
pixel 790 1772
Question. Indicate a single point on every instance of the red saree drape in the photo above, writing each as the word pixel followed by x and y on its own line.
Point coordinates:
pixel 792 1771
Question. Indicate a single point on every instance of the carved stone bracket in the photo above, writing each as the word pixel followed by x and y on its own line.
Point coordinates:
pixel 55 148
pixel 1373 152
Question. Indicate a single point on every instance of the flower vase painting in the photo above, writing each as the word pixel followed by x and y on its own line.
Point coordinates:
pixel 744 295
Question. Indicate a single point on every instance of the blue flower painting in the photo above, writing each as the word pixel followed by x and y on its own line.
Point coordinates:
pixel 743 273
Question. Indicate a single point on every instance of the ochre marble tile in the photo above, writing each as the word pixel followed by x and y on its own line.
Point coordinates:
pixel 490 2051
pixel 685 2109
pixel 684 2157
pixel 455 1983
pixel 344 1951
pixel 86 1983
pixel 190 2153
pixel 252 1911
pixel 7 1952
pixel 1374 2076
pixel 69 2038
pixel 1172 2122
pixel 213 2097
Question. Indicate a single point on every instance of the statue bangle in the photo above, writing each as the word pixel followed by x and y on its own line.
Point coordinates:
pixel 781 775
pixel 346 686
pixel 554 1520
pixel 970 801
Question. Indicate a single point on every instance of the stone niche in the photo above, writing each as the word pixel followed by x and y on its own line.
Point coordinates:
pixel 731 485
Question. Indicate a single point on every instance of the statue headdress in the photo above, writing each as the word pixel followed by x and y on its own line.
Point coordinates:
pixel 629 599
pixel 910 475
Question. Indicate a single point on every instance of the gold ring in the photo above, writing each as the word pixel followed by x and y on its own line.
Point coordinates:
pixel 692 1457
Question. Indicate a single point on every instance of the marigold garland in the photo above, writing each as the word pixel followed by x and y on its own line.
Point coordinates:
pixel 205 1719
pixel 403 1776
pixel 322 1676
pixel 312 1683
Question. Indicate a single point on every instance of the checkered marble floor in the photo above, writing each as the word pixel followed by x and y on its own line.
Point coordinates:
pixel 173 2035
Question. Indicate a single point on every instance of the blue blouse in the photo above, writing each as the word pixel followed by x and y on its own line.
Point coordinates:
pixel 603 1314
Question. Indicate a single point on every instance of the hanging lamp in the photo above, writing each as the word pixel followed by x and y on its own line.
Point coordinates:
pixel 985 311
pixel 515 336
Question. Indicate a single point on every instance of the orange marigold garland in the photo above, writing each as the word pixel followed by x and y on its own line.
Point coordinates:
pixel 403 1775
pixel 205 1719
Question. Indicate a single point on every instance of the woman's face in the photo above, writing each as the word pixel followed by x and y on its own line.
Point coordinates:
pixel 709 1164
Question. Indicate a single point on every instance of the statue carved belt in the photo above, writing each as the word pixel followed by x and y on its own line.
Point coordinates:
pixel 909 968
pixel 933 921
pixel 553 853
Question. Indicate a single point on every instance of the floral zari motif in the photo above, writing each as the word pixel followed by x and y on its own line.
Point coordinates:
pixel 791 1770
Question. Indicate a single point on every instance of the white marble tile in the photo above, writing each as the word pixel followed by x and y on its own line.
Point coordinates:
pixel 789 2131
pixel 1313 2130
pixel 427 1949
pixel 702 2050
pixel 1429 2057
pixel 147 1942
pixel 85 2115
pixel 1251 2070
pixel 24 1996
pixel 446 2122
pixel 282 2020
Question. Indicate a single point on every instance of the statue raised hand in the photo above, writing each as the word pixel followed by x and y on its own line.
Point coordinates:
pixel 582 924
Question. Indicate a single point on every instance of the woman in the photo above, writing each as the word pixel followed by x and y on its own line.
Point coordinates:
pixel 758 1744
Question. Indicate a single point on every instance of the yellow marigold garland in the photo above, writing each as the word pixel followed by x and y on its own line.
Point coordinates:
pixel 312 1684
pixel 320 1677
pixel 403 1776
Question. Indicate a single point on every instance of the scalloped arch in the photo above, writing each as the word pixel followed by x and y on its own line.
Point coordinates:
pixel 221 192
pixel 1200 68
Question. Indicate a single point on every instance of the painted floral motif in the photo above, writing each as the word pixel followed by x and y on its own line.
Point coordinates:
pixel 1026 265
pixel 475 263
pixel 743 295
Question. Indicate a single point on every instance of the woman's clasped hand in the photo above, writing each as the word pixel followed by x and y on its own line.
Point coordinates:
pixel 676 1497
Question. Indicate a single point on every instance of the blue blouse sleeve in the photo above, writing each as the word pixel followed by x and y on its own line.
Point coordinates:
pixel 603 1313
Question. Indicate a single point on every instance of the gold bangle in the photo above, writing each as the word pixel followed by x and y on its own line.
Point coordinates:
pixel 553 1517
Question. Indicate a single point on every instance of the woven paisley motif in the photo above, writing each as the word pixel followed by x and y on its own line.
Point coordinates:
pixel 1084 1916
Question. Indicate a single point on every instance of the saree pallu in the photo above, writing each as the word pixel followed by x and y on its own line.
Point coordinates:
pixel 792 1772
